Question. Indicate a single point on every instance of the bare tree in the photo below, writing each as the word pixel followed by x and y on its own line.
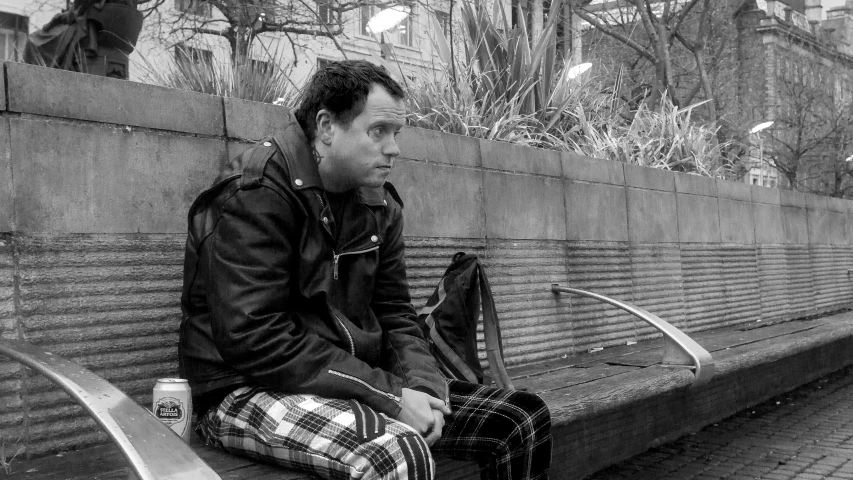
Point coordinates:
pixel 813 131
pixel 682 43
pixel 241 21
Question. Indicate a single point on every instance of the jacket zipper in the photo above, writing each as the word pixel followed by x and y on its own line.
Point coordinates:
pixel 337 256
pixel 366 385
pixel 349 336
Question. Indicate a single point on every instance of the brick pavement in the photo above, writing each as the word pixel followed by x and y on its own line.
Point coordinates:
pixel 804 434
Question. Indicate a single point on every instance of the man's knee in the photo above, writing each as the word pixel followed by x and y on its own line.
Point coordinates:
pixel 398 455
pixel 528 419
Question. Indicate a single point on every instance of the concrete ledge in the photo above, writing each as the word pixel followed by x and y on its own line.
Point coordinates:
pixel 434 146
pixel 695 184
pixel 524 207
pixel 737 224
pixel 768 223
pixel 790 198
pixel 253 120
pixel 765 195
pixel 698 218
pixel 102 179
pixel 652 216
pixel 58 93
pixel 649 178
pixel 587 169
pixel 440 200
pixel 515 158
pixel 820 226
pixel 795 225
pixel 734 190
pixel 596 212
pixel 7 221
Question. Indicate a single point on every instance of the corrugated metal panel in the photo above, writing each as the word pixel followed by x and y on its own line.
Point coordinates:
pixel 801 291
pixel 773 281
pixel 11 373
pixel 108 302
pixel 824 273
pixel 844 259
pixel 534 323
pixel 658 284
pixel 704 290
pixel 602 268
pixel 740 278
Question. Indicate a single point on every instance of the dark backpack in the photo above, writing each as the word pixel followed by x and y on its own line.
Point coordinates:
pixel 449 320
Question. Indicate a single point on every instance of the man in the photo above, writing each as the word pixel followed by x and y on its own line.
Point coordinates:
pixel 299 338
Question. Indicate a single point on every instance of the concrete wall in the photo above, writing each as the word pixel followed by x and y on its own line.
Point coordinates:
pixel 96 176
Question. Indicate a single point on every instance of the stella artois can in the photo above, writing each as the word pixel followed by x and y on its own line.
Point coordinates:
pixel 173 405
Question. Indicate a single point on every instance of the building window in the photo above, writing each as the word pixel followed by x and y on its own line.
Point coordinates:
pixel 327 13
pixel 262 67
pixel 199 8
pixel 13 36
pixel 444 21
pixel 366 12
pixel 405 30
pixel 186 56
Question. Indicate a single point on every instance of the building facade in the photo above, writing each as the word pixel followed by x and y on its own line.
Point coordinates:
pixel 179 31
pixel 795 68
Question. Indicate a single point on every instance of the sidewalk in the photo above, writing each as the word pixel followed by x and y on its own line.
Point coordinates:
pixel 805 434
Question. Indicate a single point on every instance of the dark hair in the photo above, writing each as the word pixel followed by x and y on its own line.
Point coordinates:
pixel 342 89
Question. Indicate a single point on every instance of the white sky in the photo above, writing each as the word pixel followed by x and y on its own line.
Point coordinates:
pixel 830 4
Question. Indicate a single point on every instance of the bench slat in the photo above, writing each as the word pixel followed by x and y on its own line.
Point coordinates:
pixel 152 449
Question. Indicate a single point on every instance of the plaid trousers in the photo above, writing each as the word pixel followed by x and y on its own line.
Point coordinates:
pixel 507 432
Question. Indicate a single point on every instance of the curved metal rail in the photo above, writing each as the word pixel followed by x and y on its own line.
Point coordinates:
pixel 679 349
pixel 152 449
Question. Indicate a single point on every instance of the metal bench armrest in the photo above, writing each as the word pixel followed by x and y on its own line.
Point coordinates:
pixel 679 349
pixel 152 449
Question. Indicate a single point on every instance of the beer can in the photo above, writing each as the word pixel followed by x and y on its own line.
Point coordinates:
pixel 172 404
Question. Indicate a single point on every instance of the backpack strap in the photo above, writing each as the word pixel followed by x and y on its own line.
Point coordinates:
pixel 448 353
pixel 492 332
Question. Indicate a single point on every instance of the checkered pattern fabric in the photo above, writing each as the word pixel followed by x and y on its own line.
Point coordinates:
pixel 510 429
pixel 340 439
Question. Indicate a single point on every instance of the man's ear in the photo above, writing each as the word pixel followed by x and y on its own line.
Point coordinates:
pixel 324 126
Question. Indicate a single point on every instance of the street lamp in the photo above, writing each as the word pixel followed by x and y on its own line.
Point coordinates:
pixel 385 20
pixel 578 70
pixel 761 126
pixel 755 130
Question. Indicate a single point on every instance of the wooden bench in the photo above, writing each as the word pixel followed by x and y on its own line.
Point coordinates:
pixel 153 452
pixel 606 405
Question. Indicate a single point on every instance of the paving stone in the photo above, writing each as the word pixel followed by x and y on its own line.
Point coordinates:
pixel 806 434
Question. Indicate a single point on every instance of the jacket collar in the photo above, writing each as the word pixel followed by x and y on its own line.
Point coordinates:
pixel 303 170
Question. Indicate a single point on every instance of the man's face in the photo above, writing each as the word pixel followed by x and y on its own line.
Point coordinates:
pixel 362 154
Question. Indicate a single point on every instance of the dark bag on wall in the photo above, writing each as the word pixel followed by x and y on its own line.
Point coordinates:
pixel 94 36
pixel 450 322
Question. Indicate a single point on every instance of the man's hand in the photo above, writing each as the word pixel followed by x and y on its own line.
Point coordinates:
pixel 422 412
pixel 435 433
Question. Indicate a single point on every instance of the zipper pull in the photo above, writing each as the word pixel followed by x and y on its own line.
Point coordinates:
pixel 335 265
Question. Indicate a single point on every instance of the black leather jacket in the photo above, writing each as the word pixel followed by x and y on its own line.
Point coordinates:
pixel 270 298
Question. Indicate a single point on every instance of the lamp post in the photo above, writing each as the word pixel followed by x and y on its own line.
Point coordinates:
pixel 755 130
pixel 385 20
pixel 578 70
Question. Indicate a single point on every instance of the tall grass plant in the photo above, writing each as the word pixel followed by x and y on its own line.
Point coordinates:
pixel 249 79
pixel 508 86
